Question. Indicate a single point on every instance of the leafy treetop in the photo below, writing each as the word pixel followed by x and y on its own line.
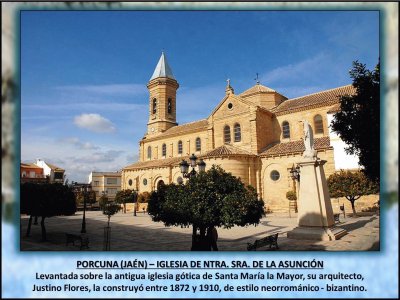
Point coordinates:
pixel 357 122
pixel 212 198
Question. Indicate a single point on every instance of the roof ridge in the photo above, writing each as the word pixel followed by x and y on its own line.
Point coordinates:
pixel 258 85
pixel 320 92
pixel 191 122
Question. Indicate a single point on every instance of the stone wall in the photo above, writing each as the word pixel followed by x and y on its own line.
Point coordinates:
pixel 274 191
pixel 296 128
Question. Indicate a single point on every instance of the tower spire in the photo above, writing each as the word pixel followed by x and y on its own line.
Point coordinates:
pixel 162 69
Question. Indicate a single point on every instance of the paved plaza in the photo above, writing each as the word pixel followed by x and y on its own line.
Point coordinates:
pixel 140 233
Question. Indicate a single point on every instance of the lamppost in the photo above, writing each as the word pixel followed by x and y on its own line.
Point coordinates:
pixel 85 189
pixel 295 175
pixel 196 242
pixel 185 166
pixel 135 199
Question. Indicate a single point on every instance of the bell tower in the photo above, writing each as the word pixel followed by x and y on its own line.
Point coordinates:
pixel 162 102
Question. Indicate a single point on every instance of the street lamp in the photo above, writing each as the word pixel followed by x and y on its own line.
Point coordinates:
pixel 295 173
pixel 184 166
pixel 85 189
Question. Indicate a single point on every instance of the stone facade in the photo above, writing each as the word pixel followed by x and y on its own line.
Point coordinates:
pixel 255 135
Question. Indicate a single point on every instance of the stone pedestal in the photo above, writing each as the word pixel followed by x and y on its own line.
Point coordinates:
pixel 315 214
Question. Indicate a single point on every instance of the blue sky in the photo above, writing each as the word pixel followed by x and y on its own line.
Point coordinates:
pixel 84 101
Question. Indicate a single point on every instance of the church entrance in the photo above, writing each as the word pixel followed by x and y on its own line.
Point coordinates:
pixel 160 184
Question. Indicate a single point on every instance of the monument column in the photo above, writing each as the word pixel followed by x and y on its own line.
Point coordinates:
pixel 315 214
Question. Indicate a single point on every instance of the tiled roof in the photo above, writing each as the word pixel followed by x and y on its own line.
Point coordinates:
pixel 55 168
pixel 326 97
pixel 181 129
pixel 156 163
pixel 30 165
pixel 294 147
pixel 226 150
pixel 258 88
pixel 334 108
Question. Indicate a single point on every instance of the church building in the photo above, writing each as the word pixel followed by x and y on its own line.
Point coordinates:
pixel 255 135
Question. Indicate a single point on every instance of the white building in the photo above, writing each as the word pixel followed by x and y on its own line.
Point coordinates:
pixel 55 174
pixel 108 183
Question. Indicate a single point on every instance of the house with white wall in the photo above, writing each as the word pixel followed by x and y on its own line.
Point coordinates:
pixel 55 174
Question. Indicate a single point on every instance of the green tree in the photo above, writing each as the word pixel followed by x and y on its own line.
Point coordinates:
pixel 291 195
pixel 357 121
pixel 351 185
pixel 125 196
pixel 210 199
pixel 110 209
pixel 103 201
pixel 144 197
pixel 90 197
pixel 46 200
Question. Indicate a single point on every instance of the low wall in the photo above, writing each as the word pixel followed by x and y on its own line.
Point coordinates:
pixel 364 203
pixel 129 207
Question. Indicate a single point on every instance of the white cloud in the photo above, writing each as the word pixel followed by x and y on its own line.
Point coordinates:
pixel 78 166
pixel 79 144
pixel 98 157
pixel 308 68
pixel 94 122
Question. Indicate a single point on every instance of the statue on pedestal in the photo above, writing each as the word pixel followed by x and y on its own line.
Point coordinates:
pixel 308 141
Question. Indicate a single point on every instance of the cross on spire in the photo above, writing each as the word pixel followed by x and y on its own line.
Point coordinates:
pixel 229 82
pixel 256 79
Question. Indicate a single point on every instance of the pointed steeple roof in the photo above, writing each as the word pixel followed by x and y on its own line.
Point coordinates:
pixel 162 69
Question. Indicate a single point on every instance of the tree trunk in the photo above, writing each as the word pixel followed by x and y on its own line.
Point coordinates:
pixel 28 230
pixel 36 222
pixel 200 242
pixel 43 230
pixel 353 207
pixel 124 208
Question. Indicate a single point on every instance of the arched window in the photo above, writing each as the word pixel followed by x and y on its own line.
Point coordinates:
pixel 285 130
pixel 149 152
pixel 164 150
pixel 227 134
pixel 180 148
pixel 154 105
pixel 198 144
pixel 169 105
pixel 318 125
pixel 237 132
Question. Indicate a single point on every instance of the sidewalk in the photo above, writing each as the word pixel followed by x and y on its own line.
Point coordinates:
pixel 140 233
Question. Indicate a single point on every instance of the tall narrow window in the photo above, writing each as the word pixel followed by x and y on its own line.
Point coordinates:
pixel 285 130
pixel 180 147
pixel 149 152
pixel 154 105
pixel 227 134
pixel 164 150
pixel 318 125
pixel 169 105
pixel 237 132
pixel 198 144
